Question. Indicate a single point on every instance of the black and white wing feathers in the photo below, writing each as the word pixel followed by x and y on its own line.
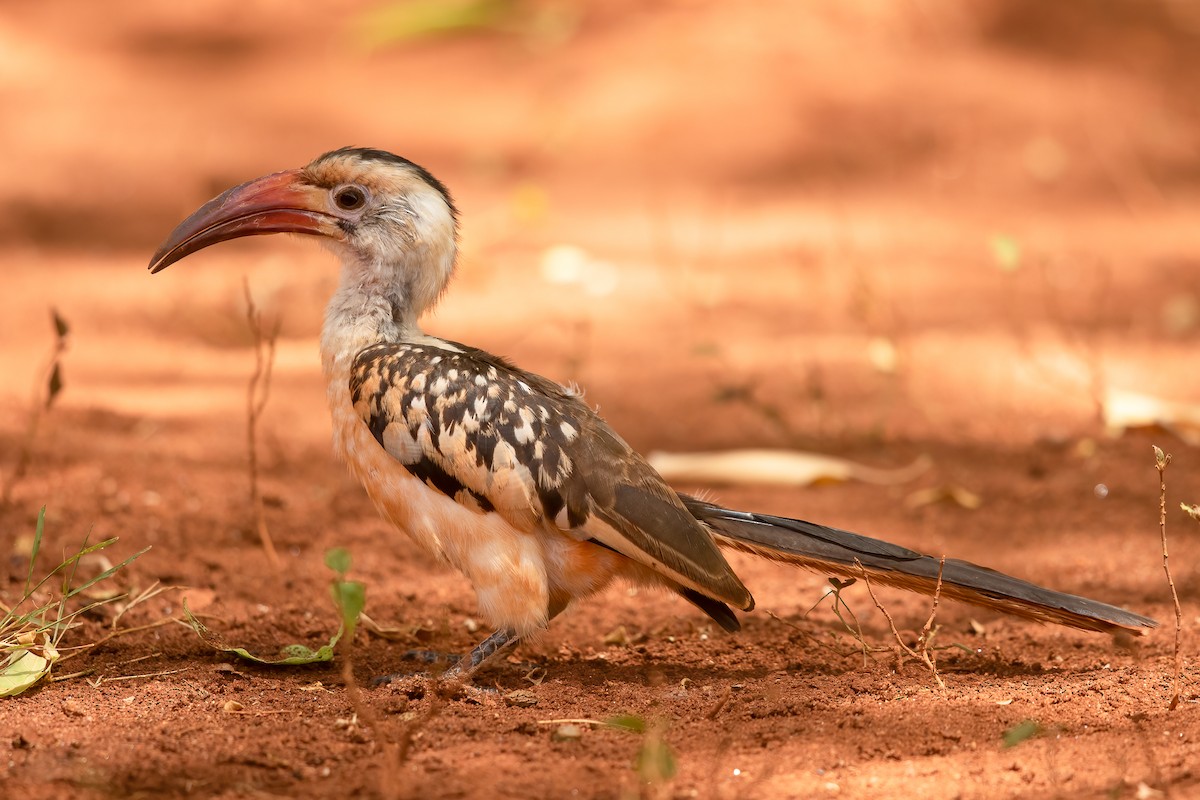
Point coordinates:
pixel 498 439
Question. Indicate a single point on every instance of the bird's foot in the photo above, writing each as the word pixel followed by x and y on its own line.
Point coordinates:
pixel 430 656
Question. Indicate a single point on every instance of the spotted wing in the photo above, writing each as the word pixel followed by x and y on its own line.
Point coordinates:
pixel 496 438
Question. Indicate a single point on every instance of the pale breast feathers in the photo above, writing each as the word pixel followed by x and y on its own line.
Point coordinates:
pixel 475 429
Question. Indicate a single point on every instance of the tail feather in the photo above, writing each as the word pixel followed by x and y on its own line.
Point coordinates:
pixel 833 551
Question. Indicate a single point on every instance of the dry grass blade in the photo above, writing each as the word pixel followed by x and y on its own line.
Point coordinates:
pixel 257 394
pixel 1161 460
pixel 30 640
pixel 44 394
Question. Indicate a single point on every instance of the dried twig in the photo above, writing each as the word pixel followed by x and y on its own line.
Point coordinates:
pixel 71 652
pixel 928 631
pixel 45 391
pixel 143 675
pixel 1161 460
pixel 257 394
pixel 863 649
pixel 923 655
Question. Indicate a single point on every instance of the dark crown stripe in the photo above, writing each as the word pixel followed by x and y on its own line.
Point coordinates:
pixel 384 157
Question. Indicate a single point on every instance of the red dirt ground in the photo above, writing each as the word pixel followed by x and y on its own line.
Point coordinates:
pixel 765 197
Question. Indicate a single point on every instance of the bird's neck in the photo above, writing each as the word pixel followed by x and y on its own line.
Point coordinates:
pixel 373 303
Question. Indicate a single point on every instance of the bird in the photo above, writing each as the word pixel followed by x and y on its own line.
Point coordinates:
pixel 510 477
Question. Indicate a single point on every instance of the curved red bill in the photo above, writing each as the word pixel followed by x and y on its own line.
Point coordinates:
pixel 278 203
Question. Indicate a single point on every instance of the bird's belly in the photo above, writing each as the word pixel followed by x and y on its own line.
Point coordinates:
pixel 506 566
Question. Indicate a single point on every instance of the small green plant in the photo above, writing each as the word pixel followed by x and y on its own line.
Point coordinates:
pixel 655 760
pixel 1026 729
pixel 349 597
pixel 32 630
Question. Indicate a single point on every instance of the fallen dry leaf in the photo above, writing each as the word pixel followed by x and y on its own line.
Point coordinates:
pixel 1131 411
pixel 944 494
pixel 775 468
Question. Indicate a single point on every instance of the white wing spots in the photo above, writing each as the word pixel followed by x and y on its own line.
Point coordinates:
pixel 458 458
pixel 539 449
pixel 524 386
pixel 398 442
pixel 523 433
pixel 568 431
pixel 492 374
pixel 510 482
pixel 543 414
pixel 480 381
pixel 452 375
pixel 504 457
pixel 493 392
pixel 435 360
pixel 439 385
pixel 425 436
pixel 446 402
pixel 470 422
pixel 510 406
pixel 417 384
pixel 562 468
pixel 564 465
pixel 480 407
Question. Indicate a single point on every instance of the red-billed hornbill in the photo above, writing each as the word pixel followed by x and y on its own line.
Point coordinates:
pixel 507 475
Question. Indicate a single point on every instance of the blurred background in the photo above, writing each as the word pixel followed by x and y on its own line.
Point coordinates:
pixel 964 236
pixel 768 224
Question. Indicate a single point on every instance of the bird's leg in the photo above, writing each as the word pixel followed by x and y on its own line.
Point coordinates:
pixel 503 639
pixel 464 668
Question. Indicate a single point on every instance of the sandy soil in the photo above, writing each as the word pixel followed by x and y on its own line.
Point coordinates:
pixel 788 217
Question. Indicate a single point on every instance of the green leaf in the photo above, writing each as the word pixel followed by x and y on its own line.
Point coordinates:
pixel 106 573
pixel 628 722
pixel 291 654
pixel 338 559
pixel 1021 731
pixel 37 546
pixel 1161 459
pixel 23 671
pixel 655 761
pixel 351 599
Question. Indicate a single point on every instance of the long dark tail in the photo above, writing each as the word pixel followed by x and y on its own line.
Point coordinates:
pixel 836 552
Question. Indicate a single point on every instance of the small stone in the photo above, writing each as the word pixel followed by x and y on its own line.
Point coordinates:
pixel 521 698
pixel 73 707
pixel 568 733
pixel 618 636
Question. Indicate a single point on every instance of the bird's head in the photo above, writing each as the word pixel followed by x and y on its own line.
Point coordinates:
pixel 391 221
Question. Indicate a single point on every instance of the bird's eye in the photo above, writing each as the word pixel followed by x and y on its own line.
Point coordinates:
pixel 349 198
